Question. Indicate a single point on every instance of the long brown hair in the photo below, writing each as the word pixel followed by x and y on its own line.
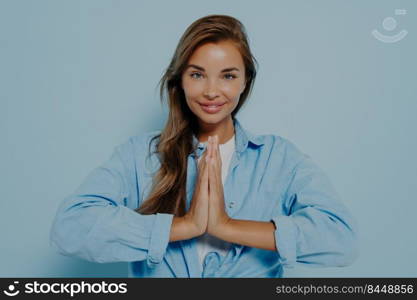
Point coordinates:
pixel 175 142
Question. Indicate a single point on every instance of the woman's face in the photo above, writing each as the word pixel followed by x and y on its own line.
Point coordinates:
pixel 213 80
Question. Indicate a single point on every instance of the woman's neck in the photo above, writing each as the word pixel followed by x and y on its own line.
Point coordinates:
pixel 224 130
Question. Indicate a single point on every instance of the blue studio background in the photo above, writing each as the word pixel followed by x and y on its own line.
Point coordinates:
pixel 78 78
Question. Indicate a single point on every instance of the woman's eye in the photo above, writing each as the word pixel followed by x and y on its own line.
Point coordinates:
pixel 229 76
pixel 195 75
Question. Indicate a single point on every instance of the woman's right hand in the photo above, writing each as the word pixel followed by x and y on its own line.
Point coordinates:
pixel 197 216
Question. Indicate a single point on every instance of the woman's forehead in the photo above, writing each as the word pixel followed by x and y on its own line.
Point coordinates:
pixel 214 55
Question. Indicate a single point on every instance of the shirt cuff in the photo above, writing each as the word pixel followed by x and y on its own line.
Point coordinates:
pixel 286 236
pixel 159 238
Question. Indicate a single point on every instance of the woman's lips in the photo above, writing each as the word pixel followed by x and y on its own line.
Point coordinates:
pixel 212 109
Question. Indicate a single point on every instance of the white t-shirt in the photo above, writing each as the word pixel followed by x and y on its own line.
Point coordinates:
pixel 207 243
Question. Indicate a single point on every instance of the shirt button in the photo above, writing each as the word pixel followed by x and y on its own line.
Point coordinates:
pixel 231 204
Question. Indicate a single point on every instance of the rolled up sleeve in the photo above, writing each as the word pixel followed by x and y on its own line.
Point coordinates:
pixel 95 224
pixel 316 228
pixel 159 238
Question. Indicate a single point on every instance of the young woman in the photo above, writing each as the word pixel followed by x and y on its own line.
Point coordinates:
pixel 204 197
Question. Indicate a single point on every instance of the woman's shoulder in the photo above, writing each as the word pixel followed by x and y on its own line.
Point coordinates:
pixel 281 148
pixel 137 144
pixel 142 139
pixel 278 142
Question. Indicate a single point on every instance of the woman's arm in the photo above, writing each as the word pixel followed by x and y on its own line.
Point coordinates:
pixel 316 229
pixel 95 224
pixel 255 234
pixel 182 229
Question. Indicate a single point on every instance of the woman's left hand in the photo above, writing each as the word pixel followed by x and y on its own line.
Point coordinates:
pixel 218 218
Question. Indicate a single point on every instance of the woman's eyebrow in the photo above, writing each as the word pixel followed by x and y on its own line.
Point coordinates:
pixel 202 69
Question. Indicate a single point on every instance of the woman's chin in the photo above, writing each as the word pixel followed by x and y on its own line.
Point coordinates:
pixel 211 119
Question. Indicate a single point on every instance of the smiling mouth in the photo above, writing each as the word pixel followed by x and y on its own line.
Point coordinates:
pixel 212 106
pixel 212 109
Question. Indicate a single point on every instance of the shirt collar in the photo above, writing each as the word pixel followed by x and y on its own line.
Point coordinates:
pixel 243 138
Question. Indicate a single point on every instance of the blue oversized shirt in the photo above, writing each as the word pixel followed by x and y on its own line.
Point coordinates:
pixel 269 179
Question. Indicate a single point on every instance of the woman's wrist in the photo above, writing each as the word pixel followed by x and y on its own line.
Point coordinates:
pixel 183 229
pixel 193 228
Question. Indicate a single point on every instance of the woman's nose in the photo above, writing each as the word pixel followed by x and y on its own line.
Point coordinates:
pixel 210 94
pixel 211 90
